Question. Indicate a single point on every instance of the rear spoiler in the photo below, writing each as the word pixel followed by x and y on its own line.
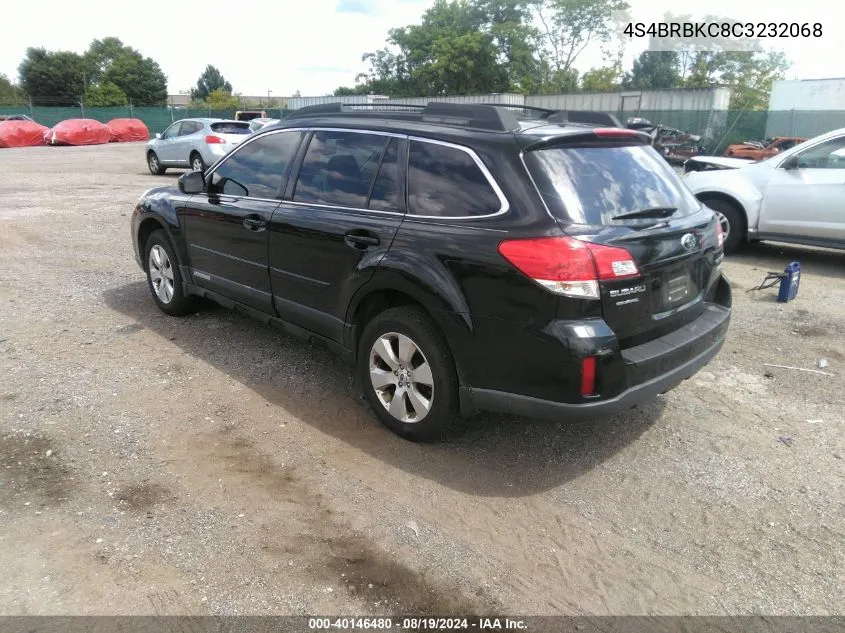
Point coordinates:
pixel 600 134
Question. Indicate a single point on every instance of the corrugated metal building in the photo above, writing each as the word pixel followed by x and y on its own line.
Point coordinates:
pixel 806 107
pixel 633 101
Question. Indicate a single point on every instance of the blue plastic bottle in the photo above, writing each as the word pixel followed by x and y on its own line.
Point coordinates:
pixel 789 282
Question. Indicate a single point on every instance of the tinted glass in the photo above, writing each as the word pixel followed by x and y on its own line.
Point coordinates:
pixel 339 168
pixel 385 196
pixel 592 185
pixel 190 127
pixel 228 127
pixel 260 166
pixel 446 182
pixel 827 155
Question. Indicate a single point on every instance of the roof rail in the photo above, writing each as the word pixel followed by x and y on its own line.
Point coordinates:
pixel 480 116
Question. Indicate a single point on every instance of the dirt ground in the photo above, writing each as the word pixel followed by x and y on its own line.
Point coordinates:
pixel 210 464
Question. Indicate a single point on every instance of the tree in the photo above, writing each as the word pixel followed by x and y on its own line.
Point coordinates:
pixel 140 78
pixel 343 91
pixel 210 80
pixel 220 99
pixel 101 55
pixel 9 92
pixel 654 70
pixel 105 95
pixel 569 26
pixel 57 78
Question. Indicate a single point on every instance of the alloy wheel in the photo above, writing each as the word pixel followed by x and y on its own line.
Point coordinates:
pixel 161 274
pixel 401 377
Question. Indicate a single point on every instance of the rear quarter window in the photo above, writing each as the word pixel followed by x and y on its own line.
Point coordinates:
pixel 445 181
pixel 592 185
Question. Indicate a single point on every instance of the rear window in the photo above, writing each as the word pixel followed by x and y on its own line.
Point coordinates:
pixel 592 185
pixel 230 127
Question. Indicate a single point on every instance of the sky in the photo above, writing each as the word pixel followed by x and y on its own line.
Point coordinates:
pixel 313 46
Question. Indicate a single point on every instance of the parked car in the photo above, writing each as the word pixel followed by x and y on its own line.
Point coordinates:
pixel 249 115
pixel 15 117
pixel 194 143
pixel 257 124
pixel 796 196
pixel 459 258
pixel 755 150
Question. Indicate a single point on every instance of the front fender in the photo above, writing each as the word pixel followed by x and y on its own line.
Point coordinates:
pixel 162 205
pixel 730 184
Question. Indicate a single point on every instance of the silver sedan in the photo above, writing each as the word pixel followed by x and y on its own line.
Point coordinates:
pixel 194 143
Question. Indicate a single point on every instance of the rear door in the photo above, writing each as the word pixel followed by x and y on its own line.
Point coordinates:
pixel 589 186
pixel 226 227
pixel 809 200
pixel 338 220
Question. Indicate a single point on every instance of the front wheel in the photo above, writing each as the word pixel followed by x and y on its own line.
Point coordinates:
pixel 408 374
pixel 163 276
pixel 154 164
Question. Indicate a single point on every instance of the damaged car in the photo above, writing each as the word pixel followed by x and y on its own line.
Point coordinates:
pixel 795 196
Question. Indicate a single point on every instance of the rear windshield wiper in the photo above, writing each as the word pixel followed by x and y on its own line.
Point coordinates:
pixel 657 212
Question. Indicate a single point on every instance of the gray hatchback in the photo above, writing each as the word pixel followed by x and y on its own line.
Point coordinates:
pixel 194 143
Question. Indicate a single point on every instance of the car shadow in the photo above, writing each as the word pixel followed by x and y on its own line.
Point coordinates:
pixel 486 455
pixel 774 256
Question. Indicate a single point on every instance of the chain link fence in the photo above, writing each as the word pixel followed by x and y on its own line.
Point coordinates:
pixel 719 128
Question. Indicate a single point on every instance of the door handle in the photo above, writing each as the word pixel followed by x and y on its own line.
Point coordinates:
pixel 360 241
pixel 254 223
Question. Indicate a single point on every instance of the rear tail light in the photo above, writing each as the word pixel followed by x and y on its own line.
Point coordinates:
pixel 567 266
pixel 588 375
pixel 720 233
pixel 215 140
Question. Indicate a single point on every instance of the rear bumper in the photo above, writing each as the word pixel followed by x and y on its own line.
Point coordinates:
pixel 652 368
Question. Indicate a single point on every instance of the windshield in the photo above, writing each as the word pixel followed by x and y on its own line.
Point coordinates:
pixel 593 185
pixel 231 127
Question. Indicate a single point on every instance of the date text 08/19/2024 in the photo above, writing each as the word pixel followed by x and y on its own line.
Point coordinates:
pixel 417 624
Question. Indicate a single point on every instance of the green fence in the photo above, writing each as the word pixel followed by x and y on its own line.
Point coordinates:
pixel 155 118
pixel 719 128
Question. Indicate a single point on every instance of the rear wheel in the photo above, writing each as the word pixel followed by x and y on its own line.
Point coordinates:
pixel 155 165
pixel 733 224
pixel 408 374
pixel 197 163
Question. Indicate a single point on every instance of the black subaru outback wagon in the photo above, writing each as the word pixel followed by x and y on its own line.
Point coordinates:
pixel 462 257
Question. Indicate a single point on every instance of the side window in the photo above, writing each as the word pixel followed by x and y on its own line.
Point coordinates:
pixel 258 168
pixel 173 130
pixel 445 181
pixel 339 168
pixel 385 196
pixel 827 155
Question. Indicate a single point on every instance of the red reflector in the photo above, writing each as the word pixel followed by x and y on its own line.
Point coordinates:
pixel 588 375
pixel 617 132
pixel 568 266
pixel 212 140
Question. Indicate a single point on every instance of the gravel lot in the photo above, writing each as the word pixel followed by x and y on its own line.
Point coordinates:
pixel 210 464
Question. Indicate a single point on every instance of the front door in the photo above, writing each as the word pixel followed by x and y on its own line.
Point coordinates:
pixel 336 223
pixel 808 200
pixel 226 227
pixel 164 148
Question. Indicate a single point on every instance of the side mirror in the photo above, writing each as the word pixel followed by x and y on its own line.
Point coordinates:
pixel 158 135
pixel 191 182
pixel 790 163
pixel 222 185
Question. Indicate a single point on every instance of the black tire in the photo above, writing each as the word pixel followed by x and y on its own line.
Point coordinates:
pixel 174 303
pixel 195 157
pixel 735 220
pixel 154 164
pixel 444 409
